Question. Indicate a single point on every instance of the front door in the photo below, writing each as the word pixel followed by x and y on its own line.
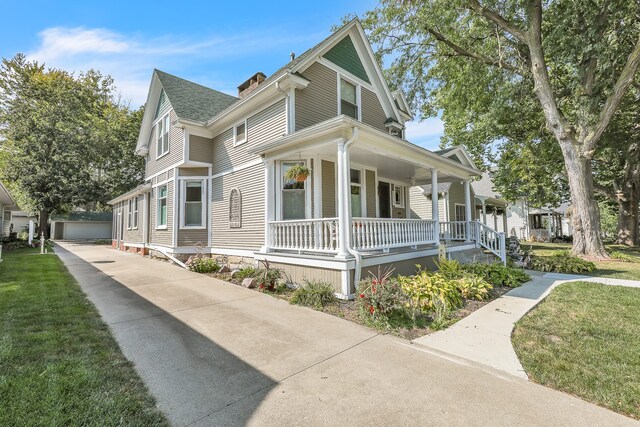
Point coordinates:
pixel 384 199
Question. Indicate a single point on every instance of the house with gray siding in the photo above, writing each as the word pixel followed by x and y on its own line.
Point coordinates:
pixel 216 173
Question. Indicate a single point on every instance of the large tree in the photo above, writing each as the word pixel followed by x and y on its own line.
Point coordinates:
pixel 62 137
pixel 577 58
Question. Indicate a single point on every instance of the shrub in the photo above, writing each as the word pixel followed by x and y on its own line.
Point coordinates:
pixel 562 264
pixel 473 287
pixel 267 277
pixel 621 256
pixel 245 272
pixel 449 268
pixel 424 287
pixel 314 294
pixel 498 274
pixel 202 265
pixel 384 301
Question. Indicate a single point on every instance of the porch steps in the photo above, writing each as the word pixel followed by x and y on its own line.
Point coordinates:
pixel 469 256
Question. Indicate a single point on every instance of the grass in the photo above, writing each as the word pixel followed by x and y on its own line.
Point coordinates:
pixel 59 363
pixel 584 339
pixel 629 269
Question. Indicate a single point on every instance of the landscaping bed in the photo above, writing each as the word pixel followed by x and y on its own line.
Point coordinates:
pixel 406 306
pixel 584 339
pixel 59 363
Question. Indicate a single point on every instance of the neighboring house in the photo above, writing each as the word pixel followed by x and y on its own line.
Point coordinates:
pixel 20 221
pixel 82 225
pixel 216 164
pixel 489 207
pixel 7 206
pixel 541 224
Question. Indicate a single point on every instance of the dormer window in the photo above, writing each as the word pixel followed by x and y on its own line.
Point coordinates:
pixel 163 136
pixel 240 133
pixel 349 99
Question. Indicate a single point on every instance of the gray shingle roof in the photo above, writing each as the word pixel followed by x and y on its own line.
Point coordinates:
pixel 83 216
pixel 484 187
pixel 193 101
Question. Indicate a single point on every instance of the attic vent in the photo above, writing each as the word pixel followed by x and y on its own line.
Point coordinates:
pixel 248 86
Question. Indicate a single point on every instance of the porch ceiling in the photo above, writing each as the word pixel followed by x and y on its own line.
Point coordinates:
pixel 393 158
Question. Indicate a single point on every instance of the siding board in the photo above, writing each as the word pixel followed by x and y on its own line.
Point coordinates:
pixel 372 112
pixel 319 100
pixel 328 189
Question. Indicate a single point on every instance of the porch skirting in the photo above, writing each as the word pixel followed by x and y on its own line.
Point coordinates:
pixel 340 273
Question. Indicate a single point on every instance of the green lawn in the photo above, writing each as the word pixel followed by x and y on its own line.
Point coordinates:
pixel 584 339
pixel 59 363
pixel 613 268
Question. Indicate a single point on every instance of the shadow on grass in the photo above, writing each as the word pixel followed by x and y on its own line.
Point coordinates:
pixel 192 378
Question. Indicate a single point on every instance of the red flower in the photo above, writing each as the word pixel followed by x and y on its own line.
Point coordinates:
pixel 361 295
pixel 375 282
pixel 371 309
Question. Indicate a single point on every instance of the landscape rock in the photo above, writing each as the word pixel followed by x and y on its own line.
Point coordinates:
pixel 249 283
pixel 234 272
pixel 224 269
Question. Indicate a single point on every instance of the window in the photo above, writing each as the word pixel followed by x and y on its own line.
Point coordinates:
pixel 240 133
pixel 356 193
pixel 193 212
pixel 163 136
pixel 135 212
pixel 461 213
pixel 293 195
pixel 348 99
pixel 130 215
pixel 398 196
pixel 161 212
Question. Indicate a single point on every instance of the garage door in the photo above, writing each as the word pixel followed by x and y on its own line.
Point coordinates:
pixel 87 230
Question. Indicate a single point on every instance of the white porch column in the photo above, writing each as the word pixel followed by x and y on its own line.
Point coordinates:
pixel 269 202
pixel 467 209
pixel 495 219
pixel 549 224
pixel 484 211
pixel 344 213
pixel 435 214
pixel 504 220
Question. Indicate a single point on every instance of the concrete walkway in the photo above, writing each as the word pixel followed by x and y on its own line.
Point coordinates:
pixel 216 354
pixel 485 335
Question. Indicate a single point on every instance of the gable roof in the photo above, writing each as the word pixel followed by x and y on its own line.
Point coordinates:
pixel 193 101
pixel 6 201
pixel 484 187
pixel 458 154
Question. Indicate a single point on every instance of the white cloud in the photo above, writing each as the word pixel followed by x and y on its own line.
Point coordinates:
pixel 426 133
pixel 131 59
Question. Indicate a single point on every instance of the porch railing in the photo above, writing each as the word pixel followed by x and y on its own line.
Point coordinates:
pixel 308 235
pixel 377 233
pixel 490 239
pixel 453 230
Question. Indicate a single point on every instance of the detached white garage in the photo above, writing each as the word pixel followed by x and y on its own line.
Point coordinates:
pixel 81 225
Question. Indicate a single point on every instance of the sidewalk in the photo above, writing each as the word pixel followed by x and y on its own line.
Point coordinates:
pixel 214 353
pixel 485 335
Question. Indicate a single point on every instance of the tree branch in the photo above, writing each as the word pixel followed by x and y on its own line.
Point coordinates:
pixel 473 55
pixel 613 101
pixel 497 19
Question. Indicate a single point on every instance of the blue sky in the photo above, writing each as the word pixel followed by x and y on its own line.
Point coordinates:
pixel 217 44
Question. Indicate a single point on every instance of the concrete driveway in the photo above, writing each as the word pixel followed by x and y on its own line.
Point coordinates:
pixel 217 354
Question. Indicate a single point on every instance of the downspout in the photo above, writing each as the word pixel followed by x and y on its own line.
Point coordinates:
pixel 287 104
pixel 347 172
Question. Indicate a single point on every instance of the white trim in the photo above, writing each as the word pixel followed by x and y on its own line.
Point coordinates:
pixel 185 144
pixel 209 204
pixel 238 168
pixel 358 88
pixel 183 201
pixel 317 187
pixel 246 132
pixel 157 225
pixel 132 245
pixel 165 170
pixel 232 252
pixel 167 116
pixel 346 73
pixel 174 210
pixel 162 183
pixel 321 262
pixel 291 117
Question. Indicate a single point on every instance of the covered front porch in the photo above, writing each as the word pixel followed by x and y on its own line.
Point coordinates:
pixel 355 202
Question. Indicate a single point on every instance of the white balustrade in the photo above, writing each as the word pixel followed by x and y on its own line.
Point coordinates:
pixel 453 230
pixel 380 233
pixel 308 235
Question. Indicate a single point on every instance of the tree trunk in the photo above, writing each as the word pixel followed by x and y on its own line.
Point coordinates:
pixel 628 215
pixel 586 216
pixel 43 226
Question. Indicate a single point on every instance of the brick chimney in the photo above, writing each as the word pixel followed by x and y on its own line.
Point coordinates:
pixel 247 87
